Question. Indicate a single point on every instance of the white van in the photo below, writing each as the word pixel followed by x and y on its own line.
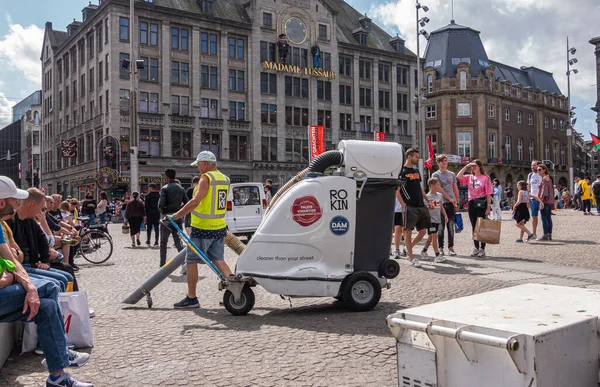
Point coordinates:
pixel 246 205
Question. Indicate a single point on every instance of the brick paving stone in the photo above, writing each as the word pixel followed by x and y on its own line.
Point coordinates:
pixel 314 342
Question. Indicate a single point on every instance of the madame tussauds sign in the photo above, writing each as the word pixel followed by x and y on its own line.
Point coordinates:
pixel 299 70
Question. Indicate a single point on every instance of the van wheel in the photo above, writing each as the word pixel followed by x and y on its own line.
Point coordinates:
pixel 361 291
pixel 245 304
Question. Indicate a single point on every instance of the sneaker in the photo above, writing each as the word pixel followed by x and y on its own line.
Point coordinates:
pixel 76 359
pixel 475 252
pixel 415 263
pixel 397 254
pixel 404 253
pixel 543 238
pixel 442 252
pixel 38 351
pixel 439 259
pixel 139 243
pixel 519 241
pixel 530 237
pixel 481 253
pixel 187 303
pixel 424 254
pixel 550 236
pixel 92 312
pixel 451 251
pixel 132 244
pixel 183 270
pixel 66 380
pixel 155 243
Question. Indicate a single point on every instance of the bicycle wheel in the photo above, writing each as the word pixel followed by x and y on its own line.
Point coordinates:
pixel 96 246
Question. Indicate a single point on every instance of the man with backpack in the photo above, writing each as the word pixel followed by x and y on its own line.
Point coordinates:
pixel 596 192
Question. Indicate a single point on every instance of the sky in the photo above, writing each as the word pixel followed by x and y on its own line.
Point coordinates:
pixel 514 32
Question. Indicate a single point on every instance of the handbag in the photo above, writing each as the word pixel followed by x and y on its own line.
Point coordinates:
pixel 458 223
pixel 487 231
pixel 480 203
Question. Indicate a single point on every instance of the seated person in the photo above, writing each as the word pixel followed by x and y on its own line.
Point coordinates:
pixel 65 212
pixel 32 240
pixel 22 297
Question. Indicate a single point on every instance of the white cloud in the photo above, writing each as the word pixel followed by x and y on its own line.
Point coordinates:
pixel 20 50
pixel 5 110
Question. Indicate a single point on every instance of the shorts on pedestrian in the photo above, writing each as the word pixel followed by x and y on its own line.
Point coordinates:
pixel 433 229
pixel 214 249
pixel 534 207
pixel 398 219
pixel 416 218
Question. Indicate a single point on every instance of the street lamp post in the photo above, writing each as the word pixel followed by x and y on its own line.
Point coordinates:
pixel 570 61
pixel 133 132
pixel 422 144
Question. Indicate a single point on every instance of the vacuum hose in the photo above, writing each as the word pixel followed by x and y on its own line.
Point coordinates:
pixel 332 158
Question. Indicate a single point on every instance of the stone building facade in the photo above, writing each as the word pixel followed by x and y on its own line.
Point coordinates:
pixel 214 79
pixel 476 108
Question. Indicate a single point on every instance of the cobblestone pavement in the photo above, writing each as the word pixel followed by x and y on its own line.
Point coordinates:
pixel 315 342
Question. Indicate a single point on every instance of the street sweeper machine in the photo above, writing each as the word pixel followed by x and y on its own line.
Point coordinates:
pixel 324 234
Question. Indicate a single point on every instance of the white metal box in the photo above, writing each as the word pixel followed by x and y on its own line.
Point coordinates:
pixel 530 335
pixel 381 160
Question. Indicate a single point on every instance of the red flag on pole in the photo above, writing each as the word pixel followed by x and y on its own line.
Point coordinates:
pixel 429 162
pixel 316 137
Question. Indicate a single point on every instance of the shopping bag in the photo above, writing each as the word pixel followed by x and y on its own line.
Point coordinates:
pixel 76 317
pixel 487 231
pixel 458 223
pixel 30 337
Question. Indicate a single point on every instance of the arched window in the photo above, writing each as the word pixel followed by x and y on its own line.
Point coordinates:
pixel 463 80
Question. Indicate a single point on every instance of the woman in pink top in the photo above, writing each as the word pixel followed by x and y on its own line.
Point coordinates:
pixel 480 198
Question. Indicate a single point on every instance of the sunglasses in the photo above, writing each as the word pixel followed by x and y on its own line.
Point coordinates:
pixel 541 169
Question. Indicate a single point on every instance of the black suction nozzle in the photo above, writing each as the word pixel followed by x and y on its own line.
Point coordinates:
pixel 332 158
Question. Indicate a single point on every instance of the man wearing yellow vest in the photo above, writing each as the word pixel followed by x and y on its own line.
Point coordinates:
pixel 208 208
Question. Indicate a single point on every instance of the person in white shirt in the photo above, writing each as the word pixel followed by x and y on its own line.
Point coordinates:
pixel 496 199
pixel 533 183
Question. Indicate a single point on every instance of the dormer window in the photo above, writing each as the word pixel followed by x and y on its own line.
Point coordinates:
pixel 207 6
pixel 463 80
pixel 398 44
pixel 361 36
pixel 506 90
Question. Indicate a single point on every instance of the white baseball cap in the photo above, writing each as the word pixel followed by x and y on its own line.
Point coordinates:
pixel 8 189
pixel 204 156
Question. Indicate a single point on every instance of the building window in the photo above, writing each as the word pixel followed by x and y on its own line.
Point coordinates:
pixel 492 145
pixel 268 113
pixel 562 155
pixel 345 94
pixel 124 29
pixel 326 61
pixel 531 150
pixel 561 103
pixel 365 97
pixel 384 124
pixel 268 52
pixel 208 77
pixel 268 148
pixel 346 121
pixel 296 150
pixel 123 73
pixel 208 7
pixel 464 109
pixel 181 144
pixel 403 127
pixel 124 100
pixel 507 114
pixel 150 142
pixel 148 103
pixel 268 83
pixel 506 91
pixel 430 83
pixel 345 66
pixel 180 38
pixel 208 43
pixel 153 69
pixel 144 33
pixel 430 112
pixel 211 142
pixel 324 90
pixel 175 105
pixel 555 153
pixel 546 122
pixel 384 99
pixel 208 108
pixel 491 110
pixel 519 116
pixel 236 48
pixel 402 75
pixel 180 73
pixel 463 80
pixel 324 118
pixel 464 144
pixel 554 123
pixel 236 80
pixel 237 111
pixel 322 31
pixel 507 147
pixel 518 92
pixel 365 123
pixel 296 87
pixel 530 118
pixel 267 19
pixel 547 151
pixel 520 149
pixel 384 72
pixel 402 102
pixel 296 116
pixel 364 69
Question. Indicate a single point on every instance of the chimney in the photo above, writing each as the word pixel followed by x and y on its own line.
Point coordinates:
pixel 48 25
pixel 88 11
pixel 73 27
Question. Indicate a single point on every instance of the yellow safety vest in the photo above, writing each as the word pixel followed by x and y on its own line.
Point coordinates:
pixel 210 213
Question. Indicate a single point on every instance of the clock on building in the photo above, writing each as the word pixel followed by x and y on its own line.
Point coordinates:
pixel 295 29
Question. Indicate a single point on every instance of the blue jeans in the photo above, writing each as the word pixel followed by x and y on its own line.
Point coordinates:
pixel 450 211
pixel 597 197
pixel 102 218
pixel 92 219
pixel 317 62
pixel 546 213
pixel 214 249
pixel 51 329
pixel 61 276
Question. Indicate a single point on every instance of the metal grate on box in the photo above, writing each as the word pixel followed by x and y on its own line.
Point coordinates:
pixel 408 382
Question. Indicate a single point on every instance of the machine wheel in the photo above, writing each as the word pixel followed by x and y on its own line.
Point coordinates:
pixel 242 307
pixel 389 269
pixel 361 292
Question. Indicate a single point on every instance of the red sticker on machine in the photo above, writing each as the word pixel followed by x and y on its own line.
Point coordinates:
pixel 306 210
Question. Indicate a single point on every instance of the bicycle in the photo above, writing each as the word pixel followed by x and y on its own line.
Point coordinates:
pixel 96 244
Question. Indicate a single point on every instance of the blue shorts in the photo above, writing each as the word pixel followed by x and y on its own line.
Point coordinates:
pixel 214 249
pixel 534 207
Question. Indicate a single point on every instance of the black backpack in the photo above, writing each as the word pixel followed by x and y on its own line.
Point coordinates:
pixel 596 188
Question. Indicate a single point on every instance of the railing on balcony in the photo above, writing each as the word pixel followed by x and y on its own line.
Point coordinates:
pixel 239 125
pixel 150 119
pixel 390 137
pixel 211 123
pixel 366 136
pixel 328 134
pixel 347 135
pixel 269 129
pixel 185 121
pixel 405 140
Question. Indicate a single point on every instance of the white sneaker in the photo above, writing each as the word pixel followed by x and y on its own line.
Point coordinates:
pixel 415 263
pixel 442 252
pixel 439 259
pixel 92 312
pixel 66 380
pixel 451 251
pixel 424 254
pixel 475 253
pixel 481 253
pixel 183 270
pixel 76 359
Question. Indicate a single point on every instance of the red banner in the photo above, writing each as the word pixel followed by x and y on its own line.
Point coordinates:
pixel 379 136
pixel 316 138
